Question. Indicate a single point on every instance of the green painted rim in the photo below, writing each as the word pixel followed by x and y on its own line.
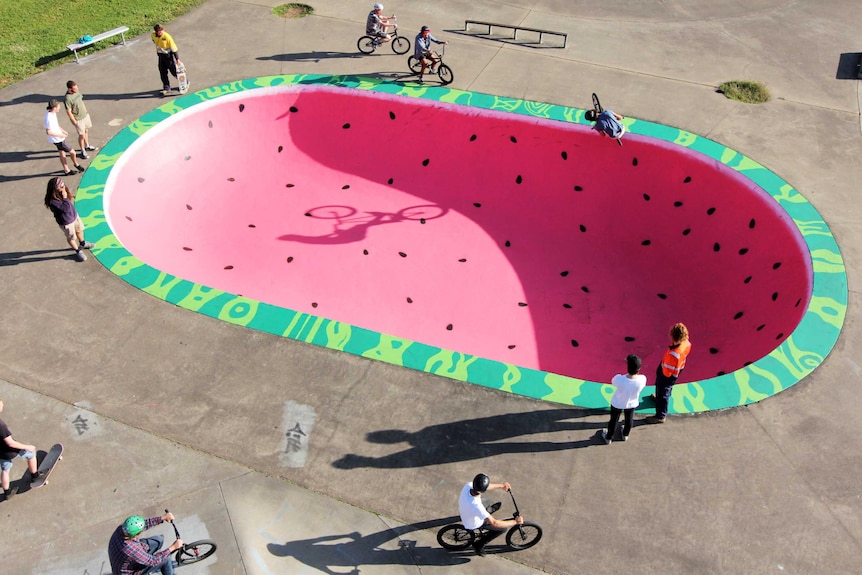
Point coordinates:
pixel 801 353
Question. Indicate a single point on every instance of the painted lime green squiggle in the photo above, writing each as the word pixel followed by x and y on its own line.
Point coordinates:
pixel 797 356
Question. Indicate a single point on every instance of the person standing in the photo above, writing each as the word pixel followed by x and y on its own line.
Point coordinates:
pixel 668 372
pixel 474 515
pixel 422 51
pixel 169 56
pixel 77 112
pixel 131 555
pixel 626 398
pixel 9 450
pixel 58 199
pixel 57 136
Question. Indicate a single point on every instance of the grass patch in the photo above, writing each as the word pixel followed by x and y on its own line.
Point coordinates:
pixel 34 33
pixel 293 10
pixel 745 91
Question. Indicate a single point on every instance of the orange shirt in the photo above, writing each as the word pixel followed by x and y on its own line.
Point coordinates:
pixel 673 361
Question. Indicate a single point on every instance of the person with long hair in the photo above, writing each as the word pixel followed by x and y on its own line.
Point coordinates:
pixel 668 372
pixel 59 200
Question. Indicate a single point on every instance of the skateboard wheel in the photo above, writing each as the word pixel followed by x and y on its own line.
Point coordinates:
pixel 60 458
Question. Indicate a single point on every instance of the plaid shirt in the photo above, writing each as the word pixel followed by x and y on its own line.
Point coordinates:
pixel 132 556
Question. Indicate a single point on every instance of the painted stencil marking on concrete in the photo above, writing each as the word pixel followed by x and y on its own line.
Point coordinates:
pixel 84 424
pixel 297 423
pixel 506 275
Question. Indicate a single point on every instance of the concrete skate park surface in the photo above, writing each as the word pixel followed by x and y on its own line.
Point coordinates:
pixel 159 407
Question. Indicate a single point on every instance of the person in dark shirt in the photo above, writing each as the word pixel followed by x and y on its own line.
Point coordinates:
pixel 59 200
pixel 9 450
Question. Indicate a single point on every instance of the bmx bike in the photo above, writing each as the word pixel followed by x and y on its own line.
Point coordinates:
pixel 444 72
pixel 597 106
pixel 455 536
pixel 192 552
pixel 400 44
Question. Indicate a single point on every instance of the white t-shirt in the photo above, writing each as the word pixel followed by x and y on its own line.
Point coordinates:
pixel 473 513
pixel 628 393
pixel 53 124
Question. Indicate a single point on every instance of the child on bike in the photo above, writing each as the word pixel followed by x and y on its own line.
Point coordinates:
pixel 474 515
pixel 377 24
pixel 422 51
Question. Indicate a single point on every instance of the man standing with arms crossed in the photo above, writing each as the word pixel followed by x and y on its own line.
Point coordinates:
pixel 77 112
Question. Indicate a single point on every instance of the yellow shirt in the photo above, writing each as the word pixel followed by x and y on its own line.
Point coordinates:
pixel 164 43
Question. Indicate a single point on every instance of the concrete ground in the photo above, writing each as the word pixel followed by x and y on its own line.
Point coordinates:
pixel 162 408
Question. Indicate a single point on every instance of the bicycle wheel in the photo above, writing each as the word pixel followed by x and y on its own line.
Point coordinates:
pixel 596 104
pixel 194 552
pixel 366 45
pixel 455 536
pixel 400 45
pixel 414 64
pixel 331 212
pixel 422 213
pixel 445 73
pixel 523 536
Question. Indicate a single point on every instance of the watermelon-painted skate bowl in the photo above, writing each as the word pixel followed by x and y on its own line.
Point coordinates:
pixel 490 240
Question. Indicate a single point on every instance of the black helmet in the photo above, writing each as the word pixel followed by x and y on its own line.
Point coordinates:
pixel 481 483
pixel 424 28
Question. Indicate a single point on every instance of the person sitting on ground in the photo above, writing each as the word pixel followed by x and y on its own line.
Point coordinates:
pixel 376 25
pixel 607 124
pixel 474 515
pixel 9 450
pixel 130 555
pixel 422 51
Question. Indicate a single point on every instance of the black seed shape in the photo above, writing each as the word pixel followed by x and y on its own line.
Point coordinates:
pixel 294 109
pixel 585 289
pixel 228 267
pixel 564 155
pixel 508 243
pixel 629 338
pixel 564 273
pixel 280 148
pixel 747 363
pixel 686 231
pixel 188 207
pixel 575 343
pixel 579 189
pixel 646 243
pixel 634 161
pixel 187 249
pixel 141 180
pixel 746 280
pixel 345 187
pixel 567 306
pixel 743 251
pixel 779 336
pixel 761 326
pixel 522 304
pixel 677 204
pixel 774 296
pixel 514 139
pixel 738 315
pixel 449 327
pixel 252 226
pixel 391 115
pixel 241 107
pixel 289 259
pixel 421 220
pixel 402 254
pixel 776 265
pixel 187 158
pixel 391 180
pixel 288 185
pixel 314 304
pixel 409 300
pixel 131 220
pixel 647 197
pixel 473 137
pixel 511 347
pixel 308 214
pixel 720 373
pixel 713 350
pixel 231 179
pixel 426 161
pixel 582 227
pixel 661 296
pixel 751 223
pixel 799 301
pixel 210 123
pixel 716 247
pixel 346 126
pixel 477 204
pixel 519 179
pixel 365 252
pixel 463 260
pixel 710 211
pixel 686 180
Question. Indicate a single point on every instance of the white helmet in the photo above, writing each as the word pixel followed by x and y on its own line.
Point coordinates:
pixel 378 6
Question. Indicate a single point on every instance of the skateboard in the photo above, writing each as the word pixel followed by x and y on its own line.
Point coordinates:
pixel 48 464
pixel 183 78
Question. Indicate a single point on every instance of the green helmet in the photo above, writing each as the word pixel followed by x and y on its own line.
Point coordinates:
pixel 133 525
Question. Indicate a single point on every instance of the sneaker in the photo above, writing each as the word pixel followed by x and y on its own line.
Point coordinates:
pixel 420 80
pixel 605 437
pixel 87 245
pixel 91 148
pixel 651 396
pixel 625 437
pixel 480 549
pixel 83 155
pixel 655 419
pixel 80 168
pixel 9 493
pixel 34 476
pixel 80 256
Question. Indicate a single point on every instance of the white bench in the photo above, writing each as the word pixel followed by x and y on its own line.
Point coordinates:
pixel 78 45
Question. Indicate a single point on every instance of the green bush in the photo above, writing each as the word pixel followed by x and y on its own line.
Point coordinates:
pixel 293 10
pixel 745 91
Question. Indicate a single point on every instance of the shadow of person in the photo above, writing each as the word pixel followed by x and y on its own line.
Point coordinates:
pixel 471 439
pixel 15 258
pixel 310 56
pixel 353 550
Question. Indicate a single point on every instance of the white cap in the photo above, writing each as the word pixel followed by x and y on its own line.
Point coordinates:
pixel 378 6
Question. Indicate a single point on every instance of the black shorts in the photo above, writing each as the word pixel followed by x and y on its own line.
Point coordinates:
pixel 63 146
